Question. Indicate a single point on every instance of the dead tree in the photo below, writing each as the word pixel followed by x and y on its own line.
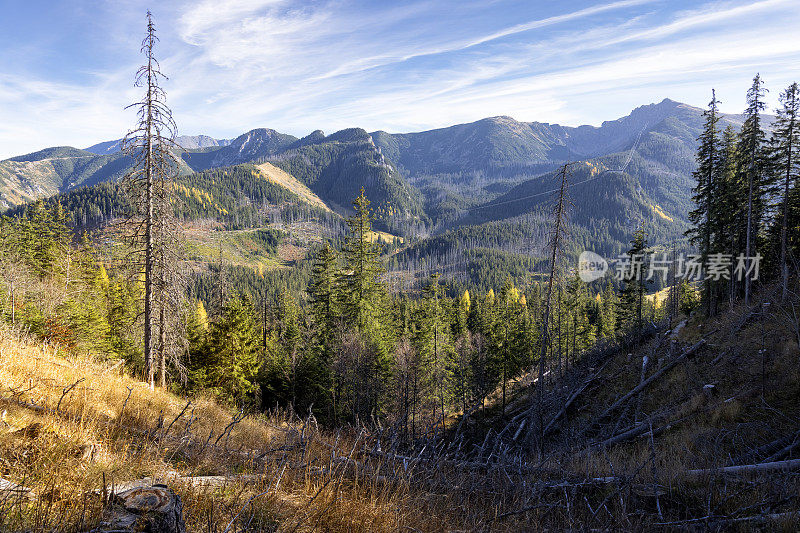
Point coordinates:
pixel 151 145
pixel 557 237
pixel 170 296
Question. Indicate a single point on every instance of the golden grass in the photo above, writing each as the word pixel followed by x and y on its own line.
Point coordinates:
pixel 286 180
pixel 305 479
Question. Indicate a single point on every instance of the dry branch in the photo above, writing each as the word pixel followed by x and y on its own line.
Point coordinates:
pixel 571 400
pixel 652 379
pixel 794 443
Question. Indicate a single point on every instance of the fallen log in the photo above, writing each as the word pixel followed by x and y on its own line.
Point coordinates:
pixel 9 489
pixel 632 433
pixel 649 381
pixel 793 464
pixel 767 450
pixel 719 520
pixel 550 426
pixel 786 450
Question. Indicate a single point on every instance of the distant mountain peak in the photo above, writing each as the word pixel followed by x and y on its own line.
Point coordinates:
pixel 349 135
pixel 187 142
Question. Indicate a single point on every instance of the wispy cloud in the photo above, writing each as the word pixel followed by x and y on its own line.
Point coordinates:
pixel 298 66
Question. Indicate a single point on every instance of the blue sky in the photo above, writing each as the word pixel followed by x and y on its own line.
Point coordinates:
pixel 233 65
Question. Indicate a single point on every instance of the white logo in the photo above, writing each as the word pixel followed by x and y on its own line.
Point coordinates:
pixel 591 266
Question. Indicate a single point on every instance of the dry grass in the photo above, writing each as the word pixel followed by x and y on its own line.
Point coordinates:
pixel 299 477
pixel 275 473
pixel 284 179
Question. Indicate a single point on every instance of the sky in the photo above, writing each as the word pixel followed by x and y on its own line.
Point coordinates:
pixel 67 67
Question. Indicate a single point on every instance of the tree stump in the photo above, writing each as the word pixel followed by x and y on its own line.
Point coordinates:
pixel 155 509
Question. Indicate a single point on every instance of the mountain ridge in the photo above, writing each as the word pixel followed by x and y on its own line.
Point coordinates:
pixel 419 181
pixel 187 142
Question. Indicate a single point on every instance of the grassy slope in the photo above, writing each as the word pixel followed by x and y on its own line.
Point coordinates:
pixel 286 180
pixel 63 457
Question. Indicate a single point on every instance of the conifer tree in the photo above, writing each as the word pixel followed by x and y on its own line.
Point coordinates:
pixel 462 309
pixel 232 362
pixel 730 202
pixel 433 343
pixel 785 152
pixel 578 302
pixel 504 334
pixel 609 302
pixel 150 144
pixel 752 167
pixel 632 296
pixel 323 292
pixel 706 193
pixel 361 286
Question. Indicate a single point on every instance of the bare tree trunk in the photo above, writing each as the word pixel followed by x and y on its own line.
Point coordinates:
pixel 785 222
pixel 162 357
pixel 555 245
pixel 150 145
pixel 148 257
pixel 747 240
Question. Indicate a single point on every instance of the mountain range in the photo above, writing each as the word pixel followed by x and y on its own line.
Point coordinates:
pixel 634 170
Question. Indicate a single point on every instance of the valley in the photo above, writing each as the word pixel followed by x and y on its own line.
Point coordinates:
pixel 494 174
pixel 418 319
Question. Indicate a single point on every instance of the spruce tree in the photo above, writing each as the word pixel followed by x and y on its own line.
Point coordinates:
pixel 323 293
pixel 233 358
pixel 433 343
pixel 730 204
pixel 632 296
pixel 609 302
pixel 785 152
pixel 706 193
pixel 581 333
pixel 361 285
pixel 752 167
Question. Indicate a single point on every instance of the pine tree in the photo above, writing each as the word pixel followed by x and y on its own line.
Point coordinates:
pixel 785 153
pixel 706 193
pixel 632 296
pixel 752 166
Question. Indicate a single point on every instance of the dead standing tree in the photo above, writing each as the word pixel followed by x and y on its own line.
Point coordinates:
pixel 151 145
pixel 170 294
pixel 557 238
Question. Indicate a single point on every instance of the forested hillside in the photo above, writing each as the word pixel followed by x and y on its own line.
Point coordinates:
pixel 493 326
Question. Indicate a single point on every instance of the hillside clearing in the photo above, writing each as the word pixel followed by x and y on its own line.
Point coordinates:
pixel 284 179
